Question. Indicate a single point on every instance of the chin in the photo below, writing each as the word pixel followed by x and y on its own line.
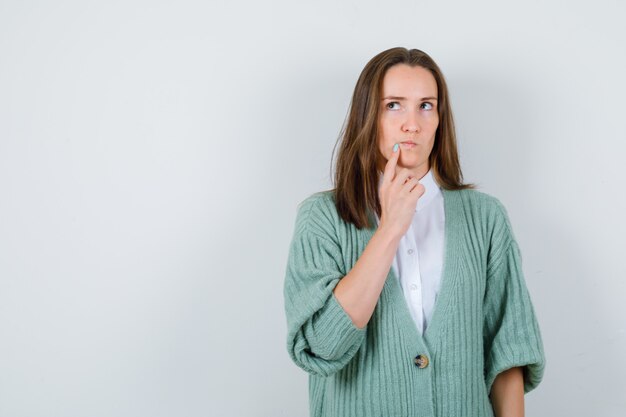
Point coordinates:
pixel 410 164
pixel 414 166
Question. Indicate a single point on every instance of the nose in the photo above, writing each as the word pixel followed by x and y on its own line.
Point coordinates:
pixel 411 123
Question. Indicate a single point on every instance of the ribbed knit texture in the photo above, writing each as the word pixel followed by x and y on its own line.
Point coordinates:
pixel 483 321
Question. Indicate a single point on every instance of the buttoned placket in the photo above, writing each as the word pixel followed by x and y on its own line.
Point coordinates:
pixel 406 263
pixel 411 280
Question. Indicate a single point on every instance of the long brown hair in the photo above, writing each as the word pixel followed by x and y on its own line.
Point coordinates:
pixel 357 167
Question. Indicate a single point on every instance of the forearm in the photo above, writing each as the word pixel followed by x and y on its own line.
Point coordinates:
pixel 359 290
pixel 507 393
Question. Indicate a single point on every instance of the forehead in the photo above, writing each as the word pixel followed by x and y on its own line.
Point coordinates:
pixel 407 81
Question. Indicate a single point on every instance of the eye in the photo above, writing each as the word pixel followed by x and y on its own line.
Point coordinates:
pixel 428 105
pixel 390 105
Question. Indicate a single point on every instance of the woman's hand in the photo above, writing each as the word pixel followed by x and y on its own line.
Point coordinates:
pixel 359 290
pixel 398 196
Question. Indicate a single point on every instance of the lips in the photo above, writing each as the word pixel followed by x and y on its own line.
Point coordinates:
pixel 409 142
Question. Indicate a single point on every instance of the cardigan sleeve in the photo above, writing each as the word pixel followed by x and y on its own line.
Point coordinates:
pixel 511 332
pixel 321 337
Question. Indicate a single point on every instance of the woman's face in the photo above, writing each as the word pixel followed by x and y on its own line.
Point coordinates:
pixel 408 116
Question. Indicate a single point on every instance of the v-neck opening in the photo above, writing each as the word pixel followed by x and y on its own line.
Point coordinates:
pixel 448 279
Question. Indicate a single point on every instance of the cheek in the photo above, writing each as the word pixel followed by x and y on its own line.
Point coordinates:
pixel 433 124
pixel 389 123
pixel 385 136
pixel 382 148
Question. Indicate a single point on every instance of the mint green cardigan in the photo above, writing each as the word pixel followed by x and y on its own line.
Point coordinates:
pixel 483 321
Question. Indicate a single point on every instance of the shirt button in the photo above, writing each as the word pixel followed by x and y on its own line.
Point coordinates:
pixel 421 361
pixel 413 287
pixel 410 251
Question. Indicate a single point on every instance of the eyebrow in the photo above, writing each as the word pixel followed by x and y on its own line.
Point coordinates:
pixel 404 98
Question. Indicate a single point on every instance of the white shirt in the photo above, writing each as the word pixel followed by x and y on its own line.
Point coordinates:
pixel 419 260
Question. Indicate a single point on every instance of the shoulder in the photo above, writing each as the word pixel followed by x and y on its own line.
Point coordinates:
pixel 486 204
pixel 487 210
pixel 317 213
pixel 479 199
pixel 316 200
pixel 317 204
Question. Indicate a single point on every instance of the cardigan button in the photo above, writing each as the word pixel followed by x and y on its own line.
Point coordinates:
pixel 421 361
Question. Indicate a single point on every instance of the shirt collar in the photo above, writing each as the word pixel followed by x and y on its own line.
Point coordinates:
pixel 432 190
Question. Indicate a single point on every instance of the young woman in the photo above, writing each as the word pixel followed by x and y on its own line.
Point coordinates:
pixel 404 290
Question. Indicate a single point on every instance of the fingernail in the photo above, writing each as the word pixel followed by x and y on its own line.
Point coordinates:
pixel 395 147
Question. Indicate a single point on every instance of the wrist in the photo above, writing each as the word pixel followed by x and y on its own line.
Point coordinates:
pixel 388 235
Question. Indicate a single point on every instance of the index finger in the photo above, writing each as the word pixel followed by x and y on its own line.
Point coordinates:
pixel 390 166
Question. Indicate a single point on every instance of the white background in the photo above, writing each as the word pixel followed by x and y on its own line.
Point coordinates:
pixel 152 155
